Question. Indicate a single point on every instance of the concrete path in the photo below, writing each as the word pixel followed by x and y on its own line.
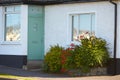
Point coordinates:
pixel 25 73
pixel 44 76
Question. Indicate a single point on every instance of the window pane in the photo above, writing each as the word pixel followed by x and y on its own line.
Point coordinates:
pixel 12 27
pixel 93 25
pixel 75 24
pixel 83 26
pixel 9 9
pixel 17 8
pixel 85 23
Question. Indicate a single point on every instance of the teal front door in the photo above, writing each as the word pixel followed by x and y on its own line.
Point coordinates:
pixel 35 33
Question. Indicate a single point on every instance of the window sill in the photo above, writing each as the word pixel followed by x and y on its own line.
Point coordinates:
pixel 76 42
pixel 10 43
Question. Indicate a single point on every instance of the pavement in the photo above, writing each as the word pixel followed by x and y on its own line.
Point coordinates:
pixel 39 75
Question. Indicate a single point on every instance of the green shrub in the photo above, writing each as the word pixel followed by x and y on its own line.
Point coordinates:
pixel 91 53
pixel 67 60
pixel 52 60
pixel 82 58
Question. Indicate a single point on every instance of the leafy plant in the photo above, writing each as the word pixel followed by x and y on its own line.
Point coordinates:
pixel 82 58
pixel 91 53
pixel 52 60
pixel 67 58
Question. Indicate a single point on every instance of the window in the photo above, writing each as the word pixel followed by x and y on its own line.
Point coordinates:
pixel 12 23
pixel 83 25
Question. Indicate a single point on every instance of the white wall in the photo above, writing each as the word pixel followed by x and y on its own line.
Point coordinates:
pixel 0 22
pixel 15 48
pixel 58 28
pixel 57 22
pixel 118 41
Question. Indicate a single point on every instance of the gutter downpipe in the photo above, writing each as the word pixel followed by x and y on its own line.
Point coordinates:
pixel 115 36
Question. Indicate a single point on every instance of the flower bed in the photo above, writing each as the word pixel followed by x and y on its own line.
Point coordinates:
pixel 84 59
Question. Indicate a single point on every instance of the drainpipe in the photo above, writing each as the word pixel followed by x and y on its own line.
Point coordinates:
pixel 115 36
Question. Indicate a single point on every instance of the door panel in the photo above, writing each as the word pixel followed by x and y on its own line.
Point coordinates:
pixel 35 34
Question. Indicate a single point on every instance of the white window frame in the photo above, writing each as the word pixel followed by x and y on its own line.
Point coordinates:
pixel 4 42
pixel 71 22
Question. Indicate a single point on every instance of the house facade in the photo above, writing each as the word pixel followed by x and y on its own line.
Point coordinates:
pixel 28 28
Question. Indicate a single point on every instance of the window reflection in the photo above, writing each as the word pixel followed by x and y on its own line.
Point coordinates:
pixel 12 26
pixel 83 26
